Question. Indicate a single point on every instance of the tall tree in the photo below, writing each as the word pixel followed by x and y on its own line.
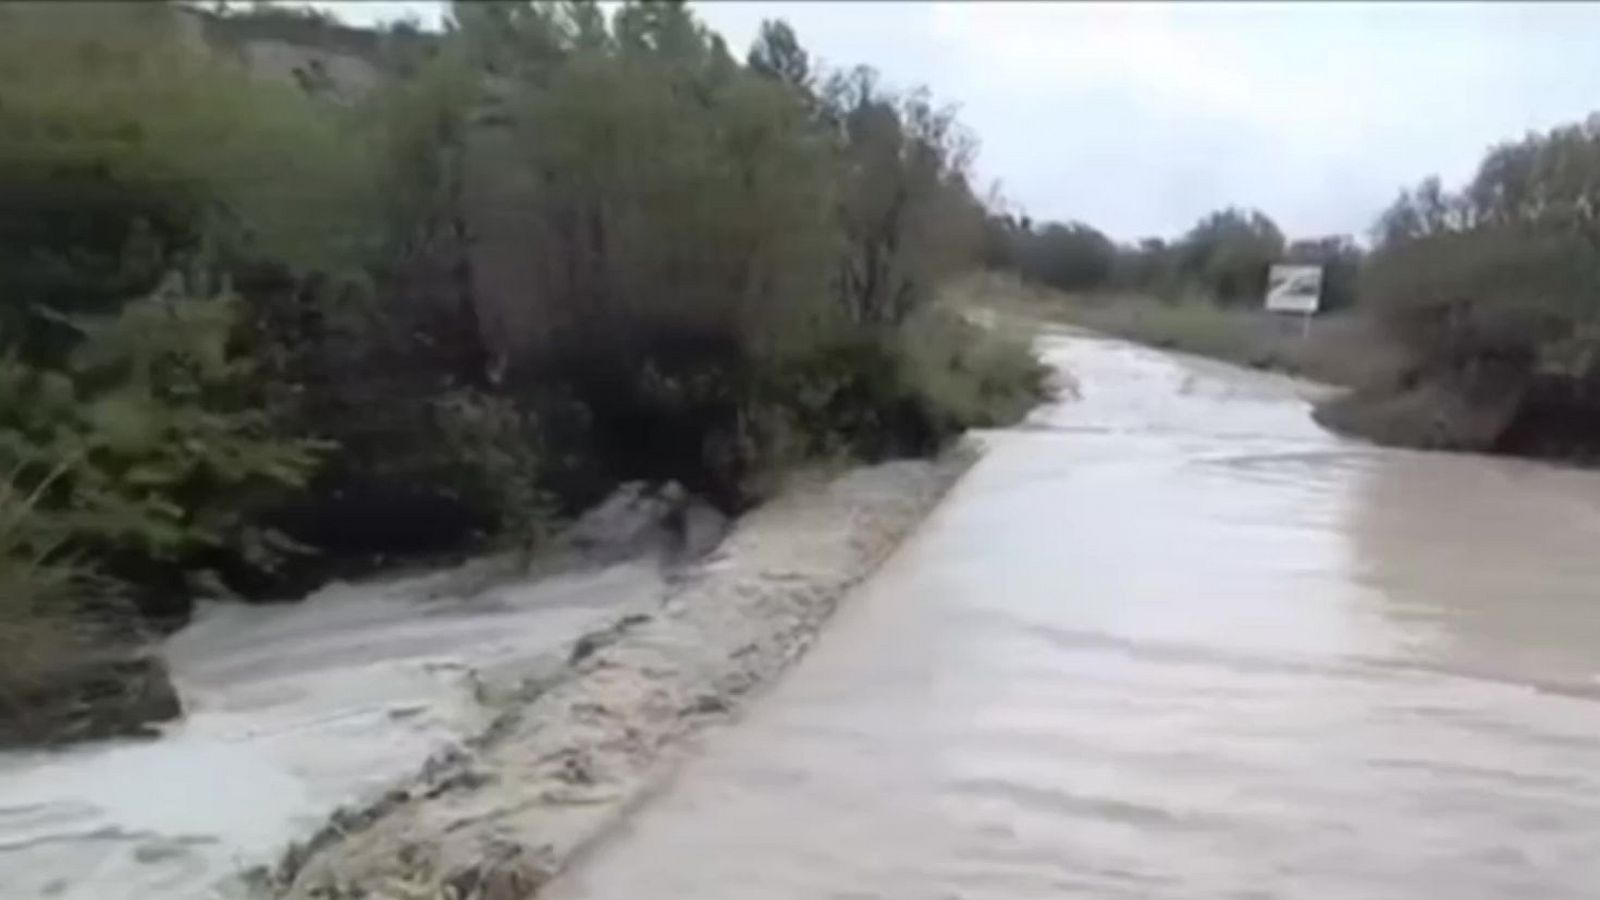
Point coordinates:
pixel 777 54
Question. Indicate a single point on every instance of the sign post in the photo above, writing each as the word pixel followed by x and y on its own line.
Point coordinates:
pixel 1295 289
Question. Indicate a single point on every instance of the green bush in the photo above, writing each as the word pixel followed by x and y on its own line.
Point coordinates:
pixel 1227 254
pixel 1519 295
pixel 126 149
pixel 695 194
pixel 1491 290
pixel 1502 269
pixel 1073 257
pixel 1223 258
pixel 169 453
pixel 969 376
pixel 720 255
pixel 495 449
pixel 904 392
pixel 335 225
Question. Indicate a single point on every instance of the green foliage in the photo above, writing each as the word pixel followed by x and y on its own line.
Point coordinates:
pixel 419 125
pixel 1224 257
pixel 903 392
pixel 496 450
pixel 967 375
pixel 777 54
pixel 721 268
pixel 39 591
pixel 710 248
pixel 126 147
pixel 1518 294
pixel 1506 266
pixel 906 210
pixel 692 193
pixel 1071 257
pixel 1227 254
pixel 168 451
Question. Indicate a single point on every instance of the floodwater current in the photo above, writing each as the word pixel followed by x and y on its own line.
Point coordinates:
pixel 1168 639
pixel 291 711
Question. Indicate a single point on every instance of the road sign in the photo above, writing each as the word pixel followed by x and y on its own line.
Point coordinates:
pixel 1294 289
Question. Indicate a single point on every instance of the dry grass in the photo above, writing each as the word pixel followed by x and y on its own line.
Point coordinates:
pixel 1341 349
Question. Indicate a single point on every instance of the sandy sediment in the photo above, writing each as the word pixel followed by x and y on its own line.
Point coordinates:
pixel 577 747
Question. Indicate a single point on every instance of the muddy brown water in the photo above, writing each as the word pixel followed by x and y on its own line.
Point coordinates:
pixel 1170 640
pixel 291 712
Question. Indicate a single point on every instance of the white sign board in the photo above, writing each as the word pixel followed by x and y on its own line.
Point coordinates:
pixel 1294 289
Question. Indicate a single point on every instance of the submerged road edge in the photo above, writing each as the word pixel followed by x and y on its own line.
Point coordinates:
pixel 585 747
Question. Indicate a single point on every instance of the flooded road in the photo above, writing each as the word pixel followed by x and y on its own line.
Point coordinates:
pixel 291 711
pixel 1171 640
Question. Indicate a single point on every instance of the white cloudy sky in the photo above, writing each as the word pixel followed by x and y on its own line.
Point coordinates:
pixel 1139 118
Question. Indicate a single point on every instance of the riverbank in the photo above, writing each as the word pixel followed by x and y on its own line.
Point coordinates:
pixel 572 750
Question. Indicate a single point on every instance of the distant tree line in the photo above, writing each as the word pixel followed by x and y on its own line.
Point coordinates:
pixel 1224 258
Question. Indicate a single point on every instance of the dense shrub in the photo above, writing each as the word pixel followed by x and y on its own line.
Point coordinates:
pixel 1504 267
pixel 967 375
pixel 671 197
pixel 1227 255
pixel 1517 294
pixel 334 225
pixel 906 211
pixel 1493 291
pixel 151 448
pixel 1148 267
pixel 715 246
pixel 1071 257
pixel 892 394
pixel 126 150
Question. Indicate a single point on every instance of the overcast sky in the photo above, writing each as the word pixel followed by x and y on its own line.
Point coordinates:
pixel 1139 118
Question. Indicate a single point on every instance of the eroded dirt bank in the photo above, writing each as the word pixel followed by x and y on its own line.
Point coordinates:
pixel 574 748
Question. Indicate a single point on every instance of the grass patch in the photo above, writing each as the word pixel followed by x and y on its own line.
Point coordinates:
pixel 1342 348
pixel 971 375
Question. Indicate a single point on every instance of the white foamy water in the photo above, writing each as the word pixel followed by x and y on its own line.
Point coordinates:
pixel 292 711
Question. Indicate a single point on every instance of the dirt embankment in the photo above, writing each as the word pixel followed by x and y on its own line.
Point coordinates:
pixel 1507 411
pixel 574 750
